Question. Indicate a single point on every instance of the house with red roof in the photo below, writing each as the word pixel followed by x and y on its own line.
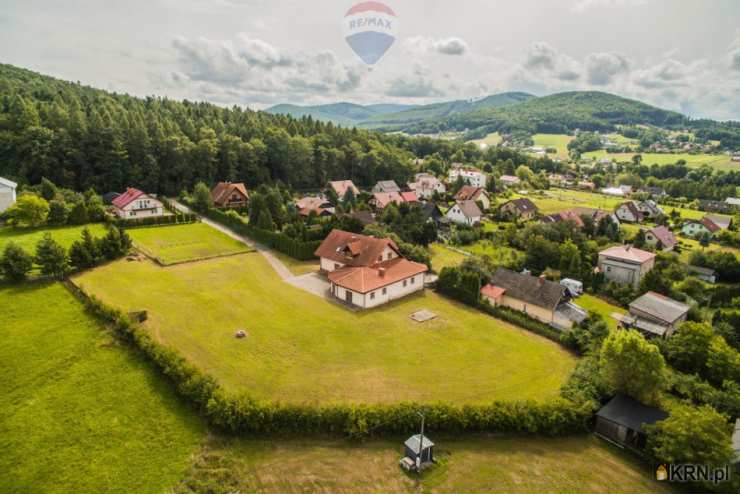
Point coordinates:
pixel 340 187
pixel 698 228
pixel 366 272
pixel 476 194
pixel 626 264
pixel 661 237
pixel 136 204
pixel 629 212
pixel 230 195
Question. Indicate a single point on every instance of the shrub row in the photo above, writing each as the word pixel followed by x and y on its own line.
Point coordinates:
pixel 180 218
pixel 241 414
pixel 303 251
pixel 522 320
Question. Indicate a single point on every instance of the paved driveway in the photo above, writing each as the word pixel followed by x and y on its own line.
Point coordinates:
pixel 312 283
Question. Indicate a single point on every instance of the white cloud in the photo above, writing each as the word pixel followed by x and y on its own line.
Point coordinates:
pixel 603 68
pixel 585 5
pixel 445 46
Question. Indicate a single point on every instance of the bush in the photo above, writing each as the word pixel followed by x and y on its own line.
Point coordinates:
pixel 51 257
pixel 15 263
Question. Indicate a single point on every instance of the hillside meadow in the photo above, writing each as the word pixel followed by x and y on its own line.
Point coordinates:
pixel 27 238
pixel 717 161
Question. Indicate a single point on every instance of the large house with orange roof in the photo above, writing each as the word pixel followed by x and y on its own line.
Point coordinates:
pixel 340 187
pixel 230 195
pixel 366 272
pixel 626 264
pixel 136 204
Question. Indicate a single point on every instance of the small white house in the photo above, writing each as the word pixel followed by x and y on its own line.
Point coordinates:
pixel 471 176
pixel 7 193
pixel 465 213
pixel 136 204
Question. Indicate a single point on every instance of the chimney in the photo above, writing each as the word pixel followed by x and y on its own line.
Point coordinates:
pixel 381 272
pixel 541 280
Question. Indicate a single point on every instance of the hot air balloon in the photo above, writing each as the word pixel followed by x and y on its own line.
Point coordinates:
pixel 370 29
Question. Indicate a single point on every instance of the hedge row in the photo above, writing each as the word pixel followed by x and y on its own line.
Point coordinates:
pixel 180 218
pixel 520 319
pixel 303 251
pixel 240 414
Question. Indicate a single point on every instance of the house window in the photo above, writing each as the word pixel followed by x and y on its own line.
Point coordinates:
pixel 380 258
pixel 413 280
pixel 390 255
pixel 372 295
pixel 405 283
pixel 608 269
pixel 336 266
pixel 385 291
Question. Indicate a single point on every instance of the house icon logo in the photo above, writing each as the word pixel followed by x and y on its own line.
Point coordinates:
pixel 370 29
pixel 661 473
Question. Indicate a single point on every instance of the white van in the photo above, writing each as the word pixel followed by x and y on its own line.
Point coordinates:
pixel 574 286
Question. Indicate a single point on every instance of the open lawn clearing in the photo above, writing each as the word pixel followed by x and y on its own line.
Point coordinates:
pixel 303 348
pixel 181 243
pixel 492 139
pixel 78 411
pixel 27 238
pixel 444 257
pixel 716 161
pixel 295 266
pixel 600 306
pixel 501 255
pixel 479 464
pixel 689 245
pixel 557 141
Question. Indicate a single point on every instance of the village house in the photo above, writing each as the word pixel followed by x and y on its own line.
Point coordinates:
pixel 716 206
pixel 656 315
pixel 733 202
pixel 382 199
pixel 386 186
pixel 431 212
pixel 628 212
pixel 366 272
pixel 586 185
pixel 510 180
pixel 409 196
pixel 622 421
pixel 319 205
pixel 477 194
pixel 340 188
pixel 522 208
pixel 539 298
pixel 698 228
pixel 425 185
pixel 650 209
pixel 136 204
pixel 707 275
pixel 471 176
pixel 364 217
pixel 7 193
pixel 723 222
pixel 661 237
pixel 577 214
pixel 625 264
pixel 230 195
pixel 465 213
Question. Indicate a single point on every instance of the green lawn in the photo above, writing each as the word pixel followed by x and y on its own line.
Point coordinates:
pixel 303 348
pixel 501 255
pixel 181 243
pixel 79 412
pixel 492 139
pixel 557 141
pixel 716 161
pixel 478 464
pixel 599 306
pixel 27 238
pixel 295 266
pixel 444 257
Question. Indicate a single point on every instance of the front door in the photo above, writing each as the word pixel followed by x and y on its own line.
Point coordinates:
pixel 348 296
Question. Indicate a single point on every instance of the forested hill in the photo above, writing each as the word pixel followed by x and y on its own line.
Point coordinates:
pixel 81 137
pixel 557 113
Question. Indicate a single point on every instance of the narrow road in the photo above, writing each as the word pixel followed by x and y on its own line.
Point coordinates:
pixel 276 263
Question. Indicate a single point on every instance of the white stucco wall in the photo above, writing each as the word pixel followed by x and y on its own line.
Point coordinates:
pixel 456 216
pixel 143 207
pixel 7 197
pixel 392 292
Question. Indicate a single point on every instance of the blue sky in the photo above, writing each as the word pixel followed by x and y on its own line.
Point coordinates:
pixel 678 54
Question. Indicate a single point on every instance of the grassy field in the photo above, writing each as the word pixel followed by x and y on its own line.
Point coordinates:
pixel 599 306
pixel 443 257
pixel 493 139
pixel 500 255
pixel 688 245
pixel 295 266
pixel 302 348
pixel 716 161
pixel 79 413
pixel 479 464
pixel 181 243
pixel 557 141
pixel 27 238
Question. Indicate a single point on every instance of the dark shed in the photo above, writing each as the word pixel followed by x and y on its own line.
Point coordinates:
pixel 108 197
pixel 412 449
pixel 622 419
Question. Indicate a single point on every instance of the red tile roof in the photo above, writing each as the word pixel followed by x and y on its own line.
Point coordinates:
pixel 353 249
pixel 711 225
pixel 469 193
pixel 492 291
pixel 666 237
pixel 341 186
pixel 382 199
pixel 127 198
pixel 365 279
pixel 627 253
pixel 409 196
pixel 223 190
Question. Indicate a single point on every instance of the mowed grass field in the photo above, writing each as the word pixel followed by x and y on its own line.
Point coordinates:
pixel 78 412
pixel 500 255
pixel 716 161
pixel 602 307
pixel 492 139
pixel 302 348
pixel 182 243
pixel 444 257
pixel 27 238
pixel 478 464
pixel 557 141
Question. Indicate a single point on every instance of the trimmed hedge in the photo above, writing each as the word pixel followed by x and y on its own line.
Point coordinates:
pixel 180 218
pixel 303 251
pixel 241 414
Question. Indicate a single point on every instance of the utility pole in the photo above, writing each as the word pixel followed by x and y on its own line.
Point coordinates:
pixel 421 443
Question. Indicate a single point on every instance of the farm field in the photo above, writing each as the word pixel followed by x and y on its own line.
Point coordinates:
pixel 599 306
pixel 302 348
pixel 79 412
pixel 718 162
pixel 181 243
pixel 443 257
pixel 492 139
pixel 27 238
pixel 688 245
pixel 557 141
pixel 478 464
